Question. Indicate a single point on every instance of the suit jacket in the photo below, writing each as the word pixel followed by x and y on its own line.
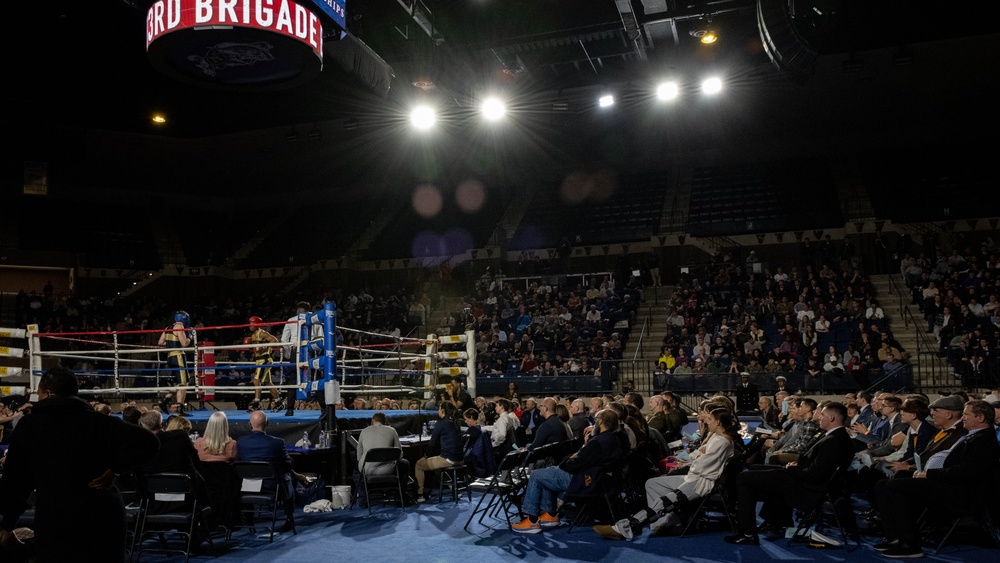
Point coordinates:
pixel 258 446
pixel 972 463
pixel 945 443
pixel 817 465
pixel 865 416
pixel 528 416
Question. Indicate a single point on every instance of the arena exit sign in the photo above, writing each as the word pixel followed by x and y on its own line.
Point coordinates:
pixel 336 9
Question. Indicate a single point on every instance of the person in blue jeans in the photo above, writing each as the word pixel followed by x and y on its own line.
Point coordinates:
pixel 577 473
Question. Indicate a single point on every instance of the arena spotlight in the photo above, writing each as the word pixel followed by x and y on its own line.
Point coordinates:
pixel 607 100
pixel 423 117
pixel 667 90
pixel 493 109
pixel 711 86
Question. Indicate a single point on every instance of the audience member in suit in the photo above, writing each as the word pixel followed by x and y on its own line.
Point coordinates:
pixel 377 435
pixel 259 446
pixel 865 413
pixel 68 454
pixel 800 483
pixel 531 418
pixel 946 414
pixel 970 467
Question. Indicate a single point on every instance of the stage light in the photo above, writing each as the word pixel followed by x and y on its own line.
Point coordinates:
pixel 667 90
pixel 493 109
pixel 606 100
pixel 711 86
pixel 423 117
pixel 159 119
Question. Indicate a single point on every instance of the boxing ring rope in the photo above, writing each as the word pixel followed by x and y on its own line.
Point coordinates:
pixel 307 355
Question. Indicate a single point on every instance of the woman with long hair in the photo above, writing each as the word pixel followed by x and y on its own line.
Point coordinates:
pixel 666 495
pixel 216 444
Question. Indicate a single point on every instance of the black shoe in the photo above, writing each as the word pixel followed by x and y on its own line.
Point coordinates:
pixel 771 529
pixel 743 539
pixel 903 551
pixel 883 546
pixel 288 527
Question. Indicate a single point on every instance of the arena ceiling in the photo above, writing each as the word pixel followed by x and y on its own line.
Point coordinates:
pixel 855 68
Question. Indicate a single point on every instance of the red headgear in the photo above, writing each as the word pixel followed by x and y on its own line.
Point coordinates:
pixel 255 322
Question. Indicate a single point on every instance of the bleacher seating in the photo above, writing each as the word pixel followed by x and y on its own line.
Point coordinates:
pixel 628 213
pixel 758 198
pixel 903 183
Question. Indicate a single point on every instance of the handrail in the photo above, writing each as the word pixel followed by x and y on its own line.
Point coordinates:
pixel 642 334
pixel 925 346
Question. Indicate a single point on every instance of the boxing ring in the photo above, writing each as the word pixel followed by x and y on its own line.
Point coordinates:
pixel 309 373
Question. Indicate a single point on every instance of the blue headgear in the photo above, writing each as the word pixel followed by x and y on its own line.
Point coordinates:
pixel 183 318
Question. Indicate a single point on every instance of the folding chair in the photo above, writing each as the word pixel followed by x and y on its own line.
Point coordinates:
pixel 717 502
pixel 455 477
pixel 835 497
pixel 503 489
pixel 975 514
pixel 256 498
pixel 170 507
pixel 389 484
pixel 605 494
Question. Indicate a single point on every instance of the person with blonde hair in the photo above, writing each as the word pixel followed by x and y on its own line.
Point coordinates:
pixel 216 444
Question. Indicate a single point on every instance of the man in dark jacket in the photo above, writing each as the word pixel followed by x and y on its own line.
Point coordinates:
pixel 747 396
pixel 970 469
pixel 69 455
pixel 259 446
pixel 800 483
pixel 577 473
pixel 552 431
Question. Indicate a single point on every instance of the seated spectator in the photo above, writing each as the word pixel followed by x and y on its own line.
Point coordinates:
pixel 259 446
pixel 443 449
pixel 216 444
pixel 576 474
pixel 969 468
pixel 377 435
pixel 668 495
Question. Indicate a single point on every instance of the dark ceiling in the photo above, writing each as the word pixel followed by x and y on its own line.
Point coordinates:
pixel 82 66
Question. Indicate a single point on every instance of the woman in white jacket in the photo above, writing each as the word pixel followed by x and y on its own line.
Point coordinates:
pixel 665 494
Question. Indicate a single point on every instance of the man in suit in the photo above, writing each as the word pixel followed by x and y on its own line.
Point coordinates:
pixel 970 467
pixel 531 418
pixel 866 415
pixel 747 396
pixel 259 446
pixel 800 483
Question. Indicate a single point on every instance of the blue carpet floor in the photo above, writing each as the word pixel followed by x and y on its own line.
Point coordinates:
pixel 433 532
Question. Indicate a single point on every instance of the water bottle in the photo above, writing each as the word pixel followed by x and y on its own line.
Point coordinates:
pixel 194 436
pixel 322 441
pixel 305 441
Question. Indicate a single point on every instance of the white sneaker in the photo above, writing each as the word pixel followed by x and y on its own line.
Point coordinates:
pixel 624 528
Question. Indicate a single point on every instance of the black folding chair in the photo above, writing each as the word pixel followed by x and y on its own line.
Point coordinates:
pixel 835 501
pixel 502 490
pixel 257 500
pixel 388 485
pixel 605 494
pixel 170 507
pixel 716 506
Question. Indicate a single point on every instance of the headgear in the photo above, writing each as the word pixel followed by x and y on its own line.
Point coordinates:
pixel 183 318
pixel 255 322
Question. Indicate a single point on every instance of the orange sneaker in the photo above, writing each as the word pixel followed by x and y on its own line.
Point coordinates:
pixel 547 520
pixel 526 526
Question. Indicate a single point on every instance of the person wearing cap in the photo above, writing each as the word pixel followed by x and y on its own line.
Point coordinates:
pixel 951 487
pixel 747 396
pixel 946 415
